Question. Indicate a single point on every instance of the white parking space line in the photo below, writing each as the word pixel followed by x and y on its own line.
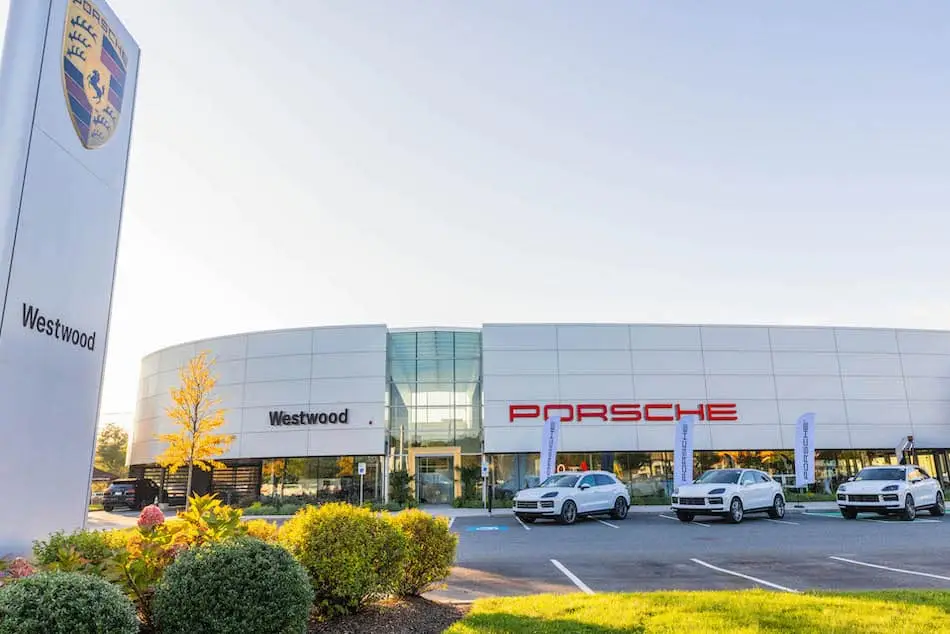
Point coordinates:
pixel 570 575
pixel 916 521
pixel 608 524
pixel 739 574
pixel 693 523
pixel 906 572
pixel 451 521
pixel 768 519
pixel 523 525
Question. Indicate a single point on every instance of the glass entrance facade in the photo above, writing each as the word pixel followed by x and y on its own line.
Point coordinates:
pixel 435 479
pixel 434 400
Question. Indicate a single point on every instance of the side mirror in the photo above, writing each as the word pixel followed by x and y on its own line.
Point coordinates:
pixel 584 487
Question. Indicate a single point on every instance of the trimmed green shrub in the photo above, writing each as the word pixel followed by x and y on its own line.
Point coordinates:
pixel 80 551
pixel 65 603
pixel 351 554
pixel 244 586
pixel 430 551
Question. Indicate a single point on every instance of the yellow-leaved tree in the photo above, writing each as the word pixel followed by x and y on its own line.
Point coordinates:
pixel 197 415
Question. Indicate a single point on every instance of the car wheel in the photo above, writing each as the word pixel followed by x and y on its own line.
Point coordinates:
pixel 849 514
pixel 777 511
pixel 736 511
pixel 940 508
pixel 107 508
pixel 684 516
pixel 568 512
pixel 619 511
pixel 910 509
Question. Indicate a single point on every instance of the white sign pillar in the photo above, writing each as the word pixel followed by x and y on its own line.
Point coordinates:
pixel 67 89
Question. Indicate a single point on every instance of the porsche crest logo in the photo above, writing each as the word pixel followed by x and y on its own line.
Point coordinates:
pixel 94 73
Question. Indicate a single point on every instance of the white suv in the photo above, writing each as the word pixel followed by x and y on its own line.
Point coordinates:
pixel 568 495
pixel 729 493
pixel 899 489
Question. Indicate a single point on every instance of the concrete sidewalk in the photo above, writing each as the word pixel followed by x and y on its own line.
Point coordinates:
pixel 446 511
pixel 102 520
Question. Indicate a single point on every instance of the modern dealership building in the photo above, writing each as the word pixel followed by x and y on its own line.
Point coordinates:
pixel 307 406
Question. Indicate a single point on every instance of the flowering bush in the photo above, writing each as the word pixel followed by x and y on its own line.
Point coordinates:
pixel 18 568
pixel 150 517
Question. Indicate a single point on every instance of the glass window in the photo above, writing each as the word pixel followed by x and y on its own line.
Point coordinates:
pixel 762 477
pixel 402 344
pixel 561 480
pixel 603 480
pixel 720 476
pixel 588 480
pixel 880 473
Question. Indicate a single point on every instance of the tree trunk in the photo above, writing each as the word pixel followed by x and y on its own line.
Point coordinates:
pixel 191 469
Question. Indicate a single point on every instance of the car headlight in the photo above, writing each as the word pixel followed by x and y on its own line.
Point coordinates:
pixel 718 491
pixel 842 489
pixel 890 487
pixel 549 494
pixel 676 491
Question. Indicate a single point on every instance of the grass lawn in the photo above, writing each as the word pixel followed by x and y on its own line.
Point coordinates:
pixel 711 612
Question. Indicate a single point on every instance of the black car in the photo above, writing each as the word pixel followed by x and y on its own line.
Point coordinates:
pixel 131 492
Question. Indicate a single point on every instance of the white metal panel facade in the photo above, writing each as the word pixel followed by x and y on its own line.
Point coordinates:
pixel 313 370
pixel 868 387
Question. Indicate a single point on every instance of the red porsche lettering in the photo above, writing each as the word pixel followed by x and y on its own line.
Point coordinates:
pixel 624 412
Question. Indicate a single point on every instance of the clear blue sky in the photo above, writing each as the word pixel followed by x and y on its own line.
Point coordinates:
pixel 418 163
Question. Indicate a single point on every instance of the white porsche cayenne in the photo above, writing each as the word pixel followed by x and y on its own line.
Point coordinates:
pixel 729 493
pixel 568 495
pixel 900 489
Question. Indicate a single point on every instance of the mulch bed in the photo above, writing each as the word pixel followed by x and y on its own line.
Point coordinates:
pixel 405 616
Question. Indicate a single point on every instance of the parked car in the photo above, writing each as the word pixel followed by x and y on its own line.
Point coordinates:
pixel 901 490
pixel 730 493
pixel 566 496
pixel 135 493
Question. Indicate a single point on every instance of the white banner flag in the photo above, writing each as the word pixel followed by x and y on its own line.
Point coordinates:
pixel 549 438
pixel 805 450
pixel 683 452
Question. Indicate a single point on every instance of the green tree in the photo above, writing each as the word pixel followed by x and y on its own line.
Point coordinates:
pixel 111 446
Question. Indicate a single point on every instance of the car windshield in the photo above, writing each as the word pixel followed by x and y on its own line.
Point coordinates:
pixel 881 474
pixel 561 480
pixel 719 476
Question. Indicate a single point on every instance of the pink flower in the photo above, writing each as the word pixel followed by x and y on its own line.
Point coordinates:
pixel 151 516
pixel 20 568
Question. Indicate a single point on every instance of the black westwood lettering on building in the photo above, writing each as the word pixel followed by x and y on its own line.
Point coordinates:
pixel 35 320
pixel 309 418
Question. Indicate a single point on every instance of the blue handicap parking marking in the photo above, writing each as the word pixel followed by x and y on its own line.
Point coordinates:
pixel 473 529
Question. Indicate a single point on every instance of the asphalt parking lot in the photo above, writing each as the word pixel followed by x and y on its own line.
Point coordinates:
pixel 814 550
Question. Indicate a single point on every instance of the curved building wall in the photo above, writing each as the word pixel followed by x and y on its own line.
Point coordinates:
pixel 433 400
pixel 278 373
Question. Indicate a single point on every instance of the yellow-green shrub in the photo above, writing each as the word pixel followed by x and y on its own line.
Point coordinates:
pixel 430 550
pixel 262 530
pixel 351 555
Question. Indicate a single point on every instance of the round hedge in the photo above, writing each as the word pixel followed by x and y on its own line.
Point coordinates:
pixel 235 587
pixel 351 554
pixel 430 552
pixel 65 603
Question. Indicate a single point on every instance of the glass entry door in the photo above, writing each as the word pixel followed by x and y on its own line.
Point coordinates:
pixel 435 479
